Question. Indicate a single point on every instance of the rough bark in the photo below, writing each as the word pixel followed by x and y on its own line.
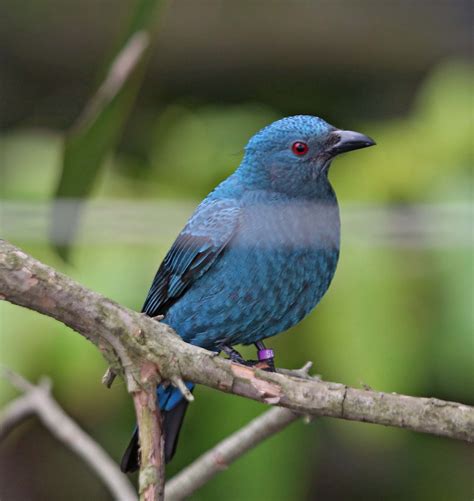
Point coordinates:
pixel 129 339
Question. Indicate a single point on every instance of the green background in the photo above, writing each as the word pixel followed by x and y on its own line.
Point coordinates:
pixel 398 316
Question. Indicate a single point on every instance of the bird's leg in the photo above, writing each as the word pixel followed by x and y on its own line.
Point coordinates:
pixel 265 356
pixel 233 354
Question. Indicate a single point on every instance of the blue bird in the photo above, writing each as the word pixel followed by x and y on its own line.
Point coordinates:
pixel 257 255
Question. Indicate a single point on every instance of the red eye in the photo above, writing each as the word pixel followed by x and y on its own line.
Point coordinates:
pixel 299 148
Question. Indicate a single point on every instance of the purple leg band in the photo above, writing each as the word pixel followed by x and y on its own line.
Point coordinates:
pixel 265 354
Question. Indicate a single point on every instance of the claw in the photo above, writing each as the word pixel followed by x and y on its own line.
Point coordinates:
pixel 265 357
pixel 233 354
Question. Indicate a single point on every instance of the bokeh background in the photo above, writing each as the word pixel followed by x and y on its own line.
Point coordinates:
pixel 398 316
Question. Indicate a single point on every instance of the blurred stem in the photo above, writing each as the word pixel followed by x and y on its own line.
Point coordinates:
pixel 204 468
pixel 219 458
pixel 120 71
pixel 98 128
pixel 38 400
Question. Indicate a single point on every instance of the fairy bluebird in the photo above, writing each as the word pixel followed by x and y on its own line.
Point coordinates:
pixel 258 253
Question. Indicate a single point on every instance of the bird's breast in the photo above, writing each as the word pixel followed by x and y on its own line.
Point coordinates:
pixel 291 246
pixel 283 259
pixel 290 226
pixel 272 273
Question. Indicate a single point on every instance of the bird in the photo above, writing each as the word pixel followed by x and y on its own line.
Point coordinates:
pixel 255 257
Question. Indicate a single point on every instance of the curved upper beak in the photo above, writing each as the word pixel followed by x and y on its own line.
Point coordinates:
pixel 348 140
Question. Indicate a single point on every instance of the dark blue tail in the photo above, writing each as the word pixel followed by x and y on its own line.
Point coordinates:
pixel 173 407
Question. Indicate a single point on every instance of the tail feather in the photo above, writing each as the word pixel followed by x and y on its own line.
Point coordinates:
pixel 173 408
pixel 172 422
pixel 130 458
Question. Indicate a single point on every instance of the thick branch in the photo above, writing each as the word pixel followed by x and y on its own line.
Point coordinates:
pixel 127 339
pixel 38 400
pixel 152 471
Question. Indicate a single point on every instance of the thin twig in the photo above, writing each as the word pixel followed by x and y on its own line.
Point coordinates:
pixel 226 452
pixel 38 400
pixel 14 413
pixel 179 383
pixel 204 468
pixel 109 377
pixel 302 373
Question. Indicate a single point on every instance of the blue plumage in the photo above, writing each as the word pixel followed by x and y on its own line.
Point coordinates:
pixel 260 251
pixel 169 397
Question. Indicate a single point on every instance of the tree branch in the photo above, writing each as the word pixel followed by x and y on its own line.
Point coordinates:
pixel 152 471
pixel 231 448
pixel 128 340
pixel 38 400
pixel 226 452
pixel 14 413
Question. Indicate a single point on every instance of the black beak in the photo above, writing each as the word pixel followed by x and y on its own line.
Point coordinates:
pixel 347 140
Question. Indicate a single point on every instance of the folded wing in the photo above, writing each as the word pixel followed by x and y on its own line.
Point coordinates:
pixel 202 240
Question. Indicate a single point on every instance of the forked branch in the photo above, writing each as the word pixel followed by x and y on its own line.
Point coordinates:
pixel 131 342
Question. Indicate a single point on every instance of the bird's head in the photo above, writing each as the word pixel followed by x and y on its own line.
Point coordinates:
pixel 292 154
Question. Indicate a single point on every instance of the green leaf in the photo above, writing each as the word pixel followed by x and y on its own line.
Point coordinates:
pixel 98 129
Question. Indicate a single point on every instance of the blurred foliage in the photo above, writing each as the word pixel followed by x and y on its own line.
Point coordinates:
pixel 397 319
pixel 98 128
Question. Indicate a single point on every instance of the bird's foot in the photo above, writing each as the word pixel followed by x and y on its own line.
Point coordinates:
pixel 233 354
pixel 265 357
pixel 267 364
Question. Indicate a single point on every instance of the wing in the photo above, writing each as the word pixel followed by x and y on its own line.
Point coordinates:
pixel 199 244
